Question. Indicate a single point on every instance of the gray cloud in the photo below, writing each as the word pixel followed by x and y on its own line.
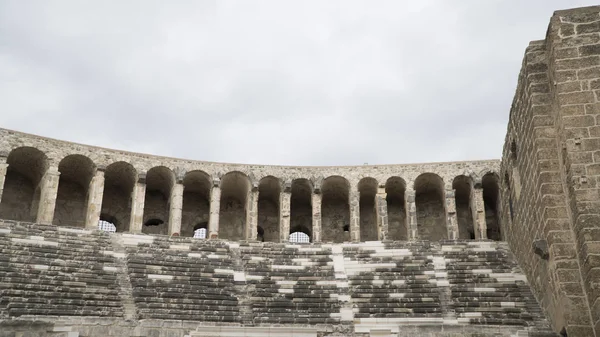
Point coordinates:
pixel 272 82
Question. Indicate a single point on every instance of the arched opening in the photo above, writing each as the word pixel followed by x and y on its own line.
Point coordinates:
pixel 301 207
pixel 395 189
pixel 299 237
pixel 200 230
pixel 431 210
pixel 335 209
pixel 260 234
pixel 235 187
pixel 490 200
pixel 196 202
pixel 367 189
pixel 106 225
pixel 462 186
pixel 119 180
pixel 20 197
pixel 159 183
pixel 76 172
pixel 269 189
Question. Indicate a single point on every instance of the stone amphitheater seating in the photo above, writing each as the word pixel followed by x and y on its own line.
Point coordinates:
pixel 49 270
pixel 67 272
pixel 181 278
pixel 292 284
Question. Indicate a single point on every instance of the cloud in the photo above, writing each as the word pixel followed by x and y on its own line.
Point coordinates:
pixel 271 82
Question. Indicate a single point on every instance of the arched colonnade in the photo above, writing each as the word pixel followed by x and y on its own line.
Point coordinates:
pixel 236 206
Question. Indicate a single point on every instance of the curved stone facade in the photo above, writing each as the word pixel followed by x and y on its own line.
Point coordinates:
pixel 57 182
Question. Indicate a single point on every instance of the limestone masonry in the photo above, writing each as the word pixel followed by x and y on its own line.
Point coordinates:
pixel 100 242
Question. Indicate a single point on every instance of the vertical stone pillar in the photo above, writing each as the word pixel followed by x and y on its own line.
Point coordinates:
pixel 316 215
pixel 215 207
pixel 252 213
pixel 176 205
pixel 481 230
pixel 138 196
pixel 3 169
pixel 411 215
pixel 285 198
pixel 382 213
pixel 354 203
pixel 48 193
pixel 95 194
pixel 452 220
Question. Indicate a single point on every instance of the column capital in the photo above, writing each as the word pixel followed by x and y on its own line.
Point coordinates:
pixel 287 186
pixel 101 168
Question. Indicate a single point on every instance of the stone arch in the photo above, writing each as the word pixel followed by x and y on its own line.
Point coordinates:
pixel 76 172
pixel 462 186
pixel 20 196
pixel 491 200
pixel 395 189
pixel 335 209
pixel 431 210
pixel 235 187
pixel 196 201
pixel 367 189
pixel 159 184
pixel 119 180
pixel 301 207
pixel 269 190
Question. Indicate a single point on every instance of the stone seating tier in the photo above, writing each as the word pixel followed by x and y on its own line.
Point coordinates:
pixel 48 270
pixel 54 271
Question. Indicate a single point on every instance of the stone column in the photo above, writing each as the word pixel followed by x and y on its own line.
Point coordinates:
pixel 411 215
pixel 354 202
pixel 451 219
pixel 176 205
pixel 48 193
pixel 316 215
pixel 94 204
pixel 480 230
pixel 285 198
pixel 3 169
pixel 382 213
pixel 215 207
pixel 138 196
pixel 252 214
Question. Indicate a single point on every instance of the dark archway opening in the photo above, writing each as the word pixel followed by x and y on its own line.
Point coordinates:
pixel 490 201
pixel 76 172
pixel 196 202
pixel 462 186
pixel 395 189
pixel 269 190
pixel 431 211
pixel 369 231
pixel 159 183
pixel 301 207
pixel 21 193
pixel 200 230
pixel 119 181
pixel 235 187
pixel 335 209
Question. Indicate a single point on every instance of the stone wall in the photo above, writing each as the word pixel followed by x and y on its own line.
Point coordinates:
pixel 77 185
pixel 550 196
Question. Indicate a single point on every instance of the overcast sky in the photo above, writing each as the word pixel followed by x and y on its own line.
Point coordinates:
pixel 304 82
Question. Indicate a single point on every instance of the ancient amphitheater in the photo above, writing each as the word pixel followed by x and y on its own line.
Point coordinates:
pixel 100 242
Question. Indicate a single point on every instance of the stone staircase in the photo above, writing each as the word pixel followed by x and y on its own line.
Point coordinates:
pixel 292 284
pixel 49 270
pixel 487 285
pixel 181 278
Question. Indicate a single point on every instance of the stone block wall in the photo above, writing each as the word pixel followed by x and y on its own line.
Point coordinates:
pixel 550 197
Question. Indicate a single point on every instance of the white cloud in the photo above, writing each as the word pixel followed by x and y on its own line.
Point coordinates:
pixel 272 82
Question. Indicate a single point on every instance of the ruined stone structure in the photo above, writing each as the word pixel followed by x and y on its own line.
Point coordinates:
pixel 99 242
